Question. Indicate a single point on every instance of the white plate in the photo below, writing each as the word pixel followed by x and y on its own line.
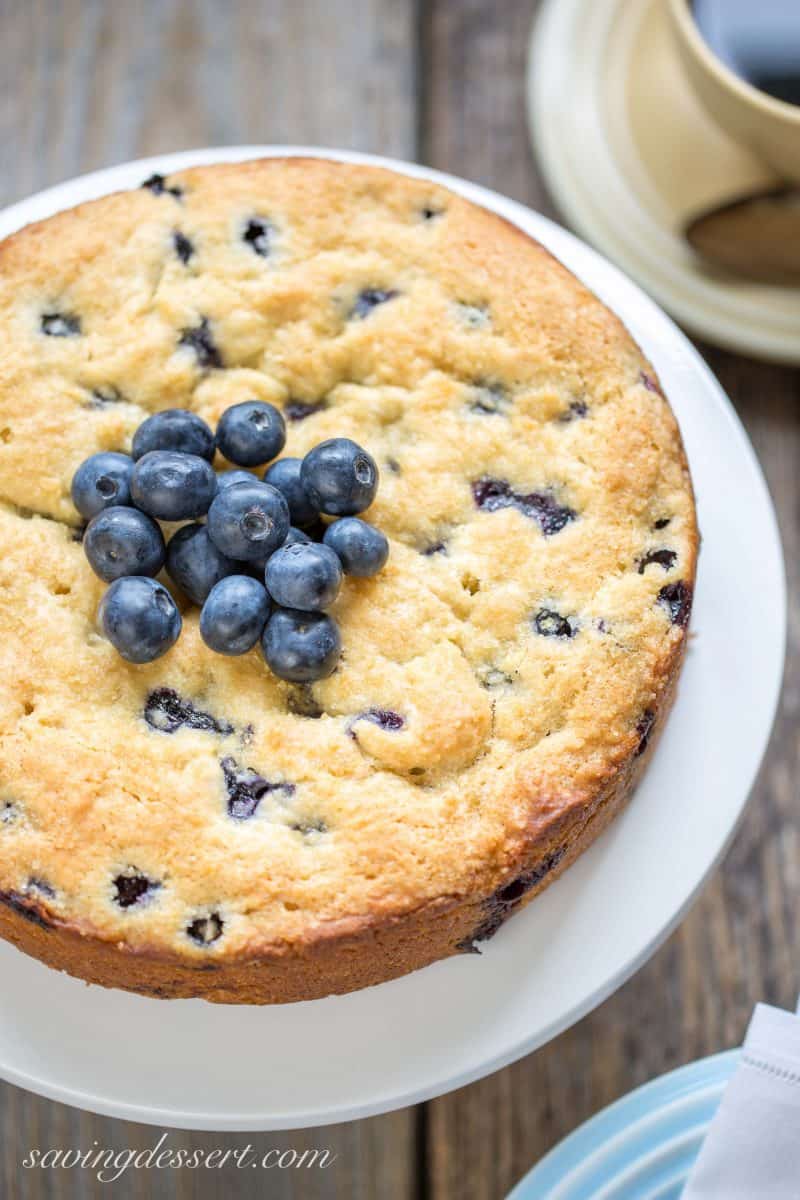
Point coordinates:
pixel 195 1065
pixel 580 65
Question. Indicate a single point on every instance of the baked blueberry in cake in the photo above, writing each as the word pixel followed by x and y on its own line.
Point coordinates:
pixel 348 556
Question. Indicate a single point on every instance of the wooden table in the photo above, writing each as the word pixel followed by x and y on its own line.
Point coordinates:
pixel 88 83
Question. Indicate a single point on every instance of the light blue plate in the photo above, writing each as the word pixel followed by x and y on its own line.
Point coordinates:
pixel 640 1148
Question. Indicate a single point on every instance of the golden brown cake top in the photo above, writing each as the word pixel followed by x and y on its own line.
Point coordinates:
pixel 495 675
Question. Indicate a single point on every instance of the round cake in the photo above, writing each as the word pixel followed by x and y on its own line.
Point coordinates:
pixel 196 826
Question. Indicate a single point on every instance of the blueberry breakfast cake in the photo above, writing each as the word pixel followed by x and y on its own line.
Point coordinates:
pixel 211 787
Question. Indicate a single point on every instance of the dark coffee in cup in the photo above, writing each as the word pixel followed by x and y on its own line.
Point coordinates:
pixel 759 40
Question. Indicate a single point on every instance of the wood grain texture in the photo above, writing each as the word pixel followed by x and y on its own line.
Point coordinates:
pixel 87 83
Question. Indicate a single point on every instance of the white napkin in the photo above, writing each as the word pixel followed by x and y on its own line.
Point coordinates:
pixel 752 1150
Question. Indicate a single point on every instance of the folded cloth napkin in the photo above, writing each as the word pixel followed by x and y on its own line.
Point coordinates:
pixel 752 1150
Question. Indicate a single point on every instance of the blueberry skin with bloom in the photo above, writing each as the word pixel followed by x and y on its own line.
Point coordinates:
pixel 362 549
pixel 102 481
pixel 301 647
pixel 234 615
pixel 248 521
pixel 296 537
pixel 257 566
pixel 226 479
pixel 195 564
pixel 339 477
pixel 139 618
pixel 305 576
pixel 172 486
pixel 251 433
pixel 174 429
pixel 123 541
pixel 285 476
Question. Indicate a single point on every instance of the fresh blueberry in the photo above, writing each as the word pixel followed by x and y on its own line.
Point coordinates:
pixel 301 647
pixel 285 476
pixel 248 521
pixel 123 541
pixel 305 576
pixel 139 618
pixel 195 564
pixel 174 429
pixel 251 433
pixel 362 549
pixel 100 481
pixel 257 566
pixel 226 479
pixel 339 477
pixel 173 486
pixel 296 537
pixel 234 615
pixel 316 532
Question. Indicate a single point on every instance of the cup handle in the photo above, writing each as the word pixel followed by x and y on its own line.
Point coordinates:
pixel 695 165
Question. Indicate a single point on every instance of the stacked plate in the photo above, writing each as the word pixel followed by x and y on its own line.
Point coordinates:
pixel 641 1148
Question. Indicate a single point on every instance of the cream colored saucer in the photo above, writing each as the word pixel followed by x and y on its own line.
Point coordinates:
pixel 629 153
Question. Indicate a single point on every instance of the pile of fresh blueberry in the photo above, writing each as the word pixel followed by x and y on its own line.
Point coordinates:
pixel 263 566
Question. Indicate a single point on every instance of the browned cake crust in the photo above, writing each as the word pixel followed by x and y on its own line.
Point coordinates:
pixel 356 955
pixel 528 629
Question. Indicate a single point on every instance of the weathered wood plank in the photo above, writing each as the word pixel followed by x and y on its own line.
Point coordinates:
pixel 368 1159
pixel 87 83
pixel 474 119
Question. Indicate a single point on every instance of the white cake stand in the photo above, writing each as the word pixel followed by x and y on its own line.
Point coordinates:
pixel 190 1064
